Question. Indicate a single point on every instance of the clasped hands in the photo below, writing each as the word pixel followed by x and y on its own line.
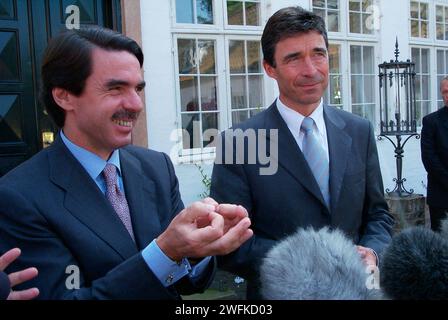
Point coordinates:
pixel 205 228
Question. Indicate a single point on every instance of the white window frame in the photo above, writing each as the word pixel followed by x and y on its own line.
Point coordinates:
pixel 432 94
pixel 344 73
pixel 431 22
pixel 437 75
pixel 217 20
pixel 244 28
pixel 340 11
pixel 360 36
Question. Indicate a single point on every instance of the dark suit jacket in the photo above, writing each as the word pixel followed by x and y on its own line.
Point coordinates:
pixel 434 143
pixel 52 209
pixel 281 203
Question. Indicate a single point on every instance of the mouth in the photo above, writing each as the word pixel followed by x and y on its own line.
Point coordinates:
pixel 123 123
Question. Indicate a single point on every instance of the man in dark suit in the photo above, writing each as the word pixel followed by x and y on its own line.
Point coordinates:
pixel 434 144
pixel 329 177
pixel 101 219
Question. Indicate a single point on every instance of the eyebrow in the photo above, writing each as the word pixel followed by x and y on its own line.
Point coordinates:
pixel 298 54
pixel 114 83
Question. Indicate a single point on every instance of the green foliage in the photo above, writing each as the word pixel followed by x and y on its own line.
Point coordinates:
pixel 206 181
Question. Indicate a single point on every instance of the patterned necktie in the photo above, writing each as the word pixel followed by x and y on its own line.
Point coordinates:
pixel 117 198
pixel 315 156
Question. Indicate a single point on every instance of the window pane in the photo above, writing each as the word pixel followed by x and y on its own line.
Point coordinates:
pixel 414 10
pixel 414 28
pixel 333 21
pixel 209 121
pixel 446 32
pixel 186 54
pixel 319 3
pixel 254 112
pixel 334 58
pixel 191 135
pixel 189 93
pixel 440 31
pixel 335 90
pixel 238 117
pixel 206 56
pixel 355 60
pixel 446 14
pixel 238 91
pixel 184 11
pixel 357 89
pixel 423 11
pixel 320 13
pixel 440 62
pixel 418 88
pixel 439 13
pixel 369 89
pixel 255 91
pixel 367 26
pixel 418 111
pixel 425 60
pixel 235 13
pixel 205 11
pixel 252 14
pixel 355 23
pixel 415 53
pixel 366 4
pixel 208 94
pixel 236 56
pixel 355 5
pixel 254 57
pixel 425 88
pixel 424 29
pixel 333 4
pixel 368 58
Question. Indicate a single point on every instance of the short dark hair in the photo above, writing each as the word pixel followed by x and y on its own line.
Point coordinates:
pixel 286 23
pixel 67 62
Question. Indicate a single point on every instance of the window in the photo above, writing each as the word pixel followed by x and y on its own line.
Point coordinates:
pixel 360 13
pixel 362 76
pixel 329 11
pixel 243 12
pixel 442 22
pixel 194 11
pixel 442 71
pixel 246 79
pixel 333 94
pixel 420 56
pixel 419 19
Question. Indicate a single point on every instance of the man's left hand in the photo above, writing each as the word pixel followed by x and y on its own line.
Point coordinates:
pixel 367 256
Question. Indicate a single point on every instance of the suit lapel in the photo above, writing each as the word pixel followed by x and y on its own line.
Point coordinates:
pixel 86 202
pixel 289 155
pixel 142 200
pixel 339 143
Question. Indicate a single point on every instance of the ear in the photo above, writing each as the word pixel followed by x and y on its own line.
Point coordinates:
pixel 63 98
pixel 270 70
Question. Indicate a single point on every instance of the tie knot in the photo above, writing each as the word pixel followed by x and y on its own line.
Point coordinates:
pixel 110 174
pixel 307 125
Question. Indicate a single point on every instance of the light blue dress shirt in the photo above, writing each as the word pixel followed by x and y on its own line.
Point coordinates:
pixel 165 269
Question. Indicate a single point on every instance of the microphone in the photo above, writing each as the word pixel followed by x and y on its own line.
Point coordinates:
pixel 315 265
pixel 5 286
pixel 415 265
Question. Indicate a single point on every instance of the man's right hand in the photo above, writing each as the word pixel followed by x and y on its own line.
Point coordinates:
pixel 205 229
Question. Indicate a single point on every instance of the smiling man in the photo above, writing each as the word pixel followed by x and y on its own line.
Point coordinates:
pixel 101 219
pixel 328 170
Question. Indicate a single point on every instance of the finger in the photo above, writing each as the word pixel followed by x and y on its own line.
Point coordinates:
pixel 198 210
pixel 8 258
pixel 231 211
pixel 22 276
pixel 210 201
pixel 234 238
pixel 211 232
pixel 24 294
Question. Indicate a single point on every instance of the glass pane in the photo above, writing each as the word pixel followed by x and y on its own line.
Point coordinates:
pixel 414 10
pixel 252 14
pixel 206 50
pixel 184 11
pixel 320 13
pixel 358 110
pixel 319 3
pixel 191 134
pixel 446 32
pixel 335 90
pixel 87 10
pixel 439 13
pixel 426 108
pixel 253 112
pixel 236 56
pixel 333 21
pixel 446 62
pixel 366 4
pixel 209 122
pixel 440 31
pixel 238 92
pixel 418 111
pixel 440 62
pixel 186 54
pixel 6 9
pixel 446 14
pixel 415 53
pixel 10 118
pixel 369 112
pixel 414 28
pixel 423 11
pixel 255 92
pixel 357 89
pixel 208 94
pixel 355 5
pixel 189 93
pixel 369 89
pixel 424 29
pixel 367 24
pixel 333 4
pixel 368 58
pixel 355 59
pixel 418 88
pixel 334 58
pixel 425 88
pixel 425 60
pixel 238 117
pixel 9 56
pixel 235 13
pixel 204 10
pixel 355 22
pixel 254 57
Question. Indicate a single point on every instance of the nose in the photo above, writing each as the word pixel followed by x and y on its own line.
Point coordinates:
pixel 133 101
pixel 308 68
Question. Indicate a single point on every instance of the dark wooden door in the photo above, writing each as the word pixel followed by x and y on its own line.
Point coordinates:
pixel 25 28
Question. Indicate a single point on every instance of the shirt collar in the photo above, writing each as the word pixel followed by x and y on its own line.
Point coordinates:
pixel 294 119
pixel 93 164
